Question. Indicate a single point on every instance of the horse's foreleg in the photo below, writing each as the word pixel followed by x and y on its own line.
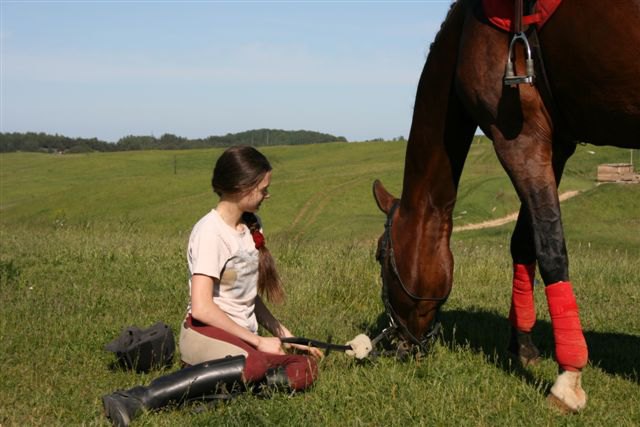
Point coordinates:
pixel 571 348
pixel 530 165
pixel 522 315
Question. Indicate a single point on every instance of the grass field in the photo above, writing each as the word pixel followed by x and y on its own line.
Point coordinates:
pixel 94 242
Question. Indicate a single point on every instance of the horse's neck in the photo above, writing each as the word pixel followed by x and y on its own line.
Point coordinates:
pixel 429 189
pixel 431 170
pixel 441 131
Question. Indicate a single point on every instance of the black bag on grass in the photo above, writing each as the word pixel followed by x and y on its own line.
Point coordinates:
pixel 144 349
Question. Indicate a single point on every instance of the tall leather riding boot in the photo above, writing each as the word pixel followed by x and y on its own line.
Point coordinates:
pixel 194 382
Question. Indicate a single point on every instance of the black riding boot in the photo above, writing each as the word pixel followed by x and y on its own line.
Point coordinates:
pixel 194 382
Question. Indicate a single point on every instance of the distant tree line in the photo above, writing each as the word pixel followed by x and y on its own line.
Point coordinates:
pixel 42 142
pixel 396 139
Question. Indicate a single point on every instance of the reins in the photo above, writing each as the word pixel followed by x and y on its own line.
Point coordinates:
pixel 359 347
pixel 315 343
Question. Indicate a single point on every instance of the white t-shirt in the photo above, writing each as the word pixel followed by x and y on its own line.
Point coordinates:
pixel 230 257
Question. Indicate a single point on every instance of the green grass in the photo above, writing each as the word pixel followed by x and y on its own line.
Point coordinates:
pixel 92 243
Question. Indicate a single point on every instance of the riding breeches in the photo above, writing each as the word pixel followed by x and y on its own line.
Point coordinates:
pixel 200 343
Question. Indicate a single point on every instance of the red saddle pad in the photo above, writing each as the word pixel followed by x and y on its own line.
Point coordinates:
pixel 500 13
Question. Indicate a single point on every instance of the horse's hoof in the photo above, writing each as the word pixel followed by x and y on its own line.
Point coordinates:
pixel 526 361
pixel 567 394
pixel 522 349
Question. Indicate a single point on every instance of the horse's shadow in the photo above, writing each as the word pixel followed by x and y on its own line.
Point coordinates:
pixel 488 333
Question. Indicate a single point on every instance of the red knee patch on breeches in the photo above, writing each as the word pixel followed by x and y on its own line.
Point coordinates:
pixel 302 371
pixel 571 347
pixel 522 314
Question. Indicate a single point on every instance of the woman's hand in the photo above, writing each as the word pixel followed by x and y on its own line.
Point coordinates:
pixel 270 345
pixel 266 319
pixel 313 351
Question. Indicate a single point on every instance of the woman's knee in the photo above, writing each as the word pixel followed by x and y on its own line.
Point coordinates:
pixel 302 373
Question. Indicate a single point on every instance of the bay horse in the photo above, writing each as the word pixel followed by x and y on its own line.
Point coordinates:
pixel 591 55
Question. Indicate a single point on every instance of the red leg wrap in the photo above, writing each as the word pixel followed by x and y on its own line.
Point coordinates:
pixel 522 314
pixel 571 347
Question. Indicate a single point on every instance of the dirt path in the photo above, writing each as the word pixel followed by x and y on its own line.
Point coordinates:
pixel 506 219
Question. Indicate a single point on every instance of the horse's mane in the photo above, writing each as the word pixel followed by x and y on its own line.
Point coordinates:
pixel 454 4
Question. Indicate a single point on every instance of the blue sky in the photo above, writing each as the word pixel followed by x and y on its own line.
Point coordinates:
pixel 108 69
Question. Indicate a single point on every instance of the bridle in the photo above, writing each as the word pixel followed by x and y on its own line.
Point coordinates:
pixel 395 325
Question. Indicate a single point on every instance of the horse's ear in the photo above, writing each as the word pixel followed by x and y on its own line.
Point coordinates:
pixel 383 198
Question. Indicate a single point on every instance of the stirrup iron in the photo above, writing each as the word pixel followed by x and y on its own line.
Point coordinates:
pixel 510 79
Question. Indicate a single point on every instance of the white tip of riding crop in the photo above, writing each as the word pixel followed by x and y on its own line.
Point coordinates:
pixel 360 347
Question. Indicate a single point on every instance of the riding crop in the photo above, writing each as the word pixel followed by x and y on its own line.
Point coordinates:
pixel 359 347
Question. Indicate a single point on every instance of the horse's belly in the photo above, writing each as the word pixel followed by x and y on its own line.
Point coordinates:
pixel 592 59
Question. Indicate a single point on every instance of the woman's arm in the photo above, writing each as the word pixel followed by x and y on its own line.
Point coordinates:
pixel 273 325
pixel 204 309
pixel 268 321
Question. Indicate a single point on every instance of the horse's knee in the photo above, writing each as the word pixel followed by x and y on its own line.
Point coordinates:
pixel 551 253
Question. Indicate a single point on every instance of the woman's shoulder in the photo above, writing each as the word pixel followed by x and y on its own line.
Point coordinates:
pixel 210 228
pixel 210 222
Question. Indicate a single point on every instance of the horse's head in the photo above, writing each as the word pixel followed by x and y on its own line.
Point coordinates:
pixel 415 272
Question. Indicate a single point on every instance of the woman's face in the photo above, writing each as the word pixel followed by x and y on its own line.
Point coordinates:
pixel 251 201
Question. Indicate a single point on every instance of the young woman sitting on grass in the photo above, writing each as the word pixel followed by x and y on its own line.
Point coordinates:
pixel 230 271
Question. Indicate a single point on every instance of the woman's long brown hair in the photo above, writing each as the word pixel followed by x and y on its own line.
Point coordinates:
pixel 269 283
pixel 239 169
